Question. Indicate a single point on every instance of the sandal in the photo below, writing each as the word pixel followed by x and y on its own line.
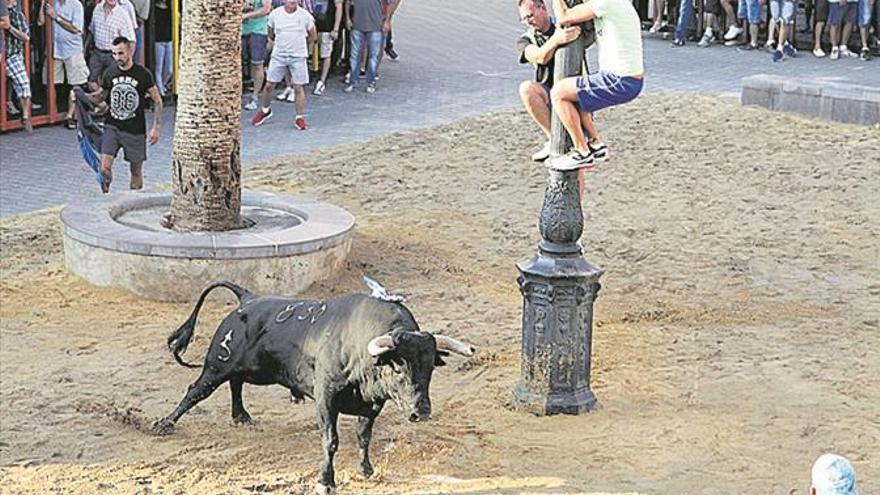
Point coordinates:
pixel 71 123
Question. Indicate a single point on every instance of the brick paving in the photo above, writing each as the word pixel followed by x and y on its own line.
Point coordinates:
pixel 454 63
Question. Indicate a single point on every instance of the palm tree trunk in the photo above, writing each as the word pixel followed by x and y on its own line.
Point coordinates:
pixel 206 173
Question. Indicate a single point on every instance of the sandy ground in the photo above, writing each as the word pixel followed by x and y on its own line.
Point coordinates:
pixel 735 337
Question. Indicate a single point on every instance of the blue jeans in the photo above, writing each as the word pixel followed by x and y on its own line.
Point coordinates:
pixel 685 14
pixel 864 13
pixel 749 10
pixel 375 42
pixel 139 45
pixel 164 65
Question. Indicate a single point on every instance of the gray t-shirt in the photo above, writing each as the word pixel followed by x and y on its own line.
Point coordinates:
pixel 368 15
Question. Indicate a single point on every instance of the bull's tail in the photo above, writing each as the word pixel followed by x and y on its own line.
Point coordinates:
pixel 180 339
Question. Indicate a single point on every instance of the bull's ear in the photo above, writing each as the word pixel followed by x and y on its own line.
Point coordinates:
pixel 438 358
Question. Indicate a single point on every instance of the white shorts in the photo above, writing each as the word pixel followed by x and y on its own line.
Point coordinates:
pixel 74 68
pixel 280 65
pixel 326 44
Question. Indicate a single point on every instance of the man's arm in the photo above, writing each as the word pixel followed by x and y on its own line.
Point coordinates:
pixel 157 115
pixel 541 55
pixel 567 16
pixel 337 20
pixel 265 8
pixel 348 14
pixel 41 17
pixel 18 33
pixel 313 36
pixel 68 25
pixel 389 13
pixel 270 38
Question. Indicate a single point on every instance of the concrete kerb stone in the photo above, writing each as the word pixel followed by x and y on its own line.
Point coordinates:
pixel 115 240
pixel 841 102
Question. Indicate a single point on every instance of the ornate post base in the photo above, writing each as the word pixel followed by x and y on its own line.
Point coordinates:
pixel 558 293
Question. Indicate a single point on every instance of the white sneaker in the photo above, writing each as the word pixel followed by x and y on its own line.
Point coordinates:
pixel 818 53
pixel 319 88
pixel 251 105
pixel 732 32
pixel 845 53
pixel 835 53
pixel 599 150
pixel 543 153
pixel 284 94
pixel 10 108
pixel 572 160
pixel 291 98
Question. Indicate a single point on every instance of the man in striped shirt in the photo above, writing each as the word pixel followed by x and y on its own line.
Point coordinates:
pixel 109 21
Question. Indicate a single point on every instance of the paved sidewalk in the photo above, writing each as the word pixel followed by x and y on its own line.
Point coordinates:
pixel 455 62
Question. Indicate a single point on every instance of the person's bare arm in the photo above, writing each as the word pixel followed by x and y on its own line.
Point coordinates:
pixel 575 15
pixel 4 23
pixel 41 17
pixel 66 24
pixel 18 33
pixel 337 21
pixel 541 55
pixel 313 36
pixel 157 115
pixel 264 10
pixel 348 15
pixel 270 39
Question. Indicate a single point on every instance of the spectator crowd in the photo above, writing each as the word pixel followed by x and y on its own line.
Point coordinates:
pixel 281 42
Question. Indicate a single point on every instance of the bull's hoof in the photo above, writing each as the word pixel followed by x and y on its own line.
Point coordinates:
pixel 162 427
pixel 322 489
pixel 243 419
pixel 366 470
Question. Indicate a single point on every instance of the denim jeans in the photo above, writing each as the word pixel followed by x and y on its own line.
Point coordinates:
pixel 749 10
pixel 374 44
pixel 164 64
pixel 685 14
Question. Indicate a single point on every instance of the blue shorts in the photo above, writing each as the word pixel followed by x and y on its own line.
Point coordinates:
pixel 864 13
pixel 839 14
pixel 604 89
pixel 253 46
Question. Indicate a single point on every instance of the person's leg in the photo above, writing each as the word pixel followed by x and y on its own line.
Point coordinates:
pixel 159 50
pixel 106 171
pixel 754 11
pixel 658 15
pixel 357 43
pixel 375 40
pixel 685 13
pixel 821 16
pixel 537 104
pixel 137 175
pixel 848 22
pixel 564 96
pixel 300 91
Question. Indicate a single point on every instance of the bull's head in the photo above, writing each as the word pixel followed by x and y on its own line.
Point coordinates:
pixel 412 356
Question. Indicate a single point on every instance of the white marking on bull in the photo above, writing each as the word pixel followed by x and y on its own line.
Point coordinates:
pixel 287 312
pixel 380 293
pixel 226 339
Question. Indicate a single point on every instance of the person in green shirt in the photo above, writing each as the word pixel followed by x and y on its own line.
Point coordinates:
pixel 254 31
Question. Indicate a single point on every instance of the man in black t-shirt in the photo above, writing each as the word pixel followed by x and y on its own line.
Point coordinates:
pixel 537 47
pixel 124 94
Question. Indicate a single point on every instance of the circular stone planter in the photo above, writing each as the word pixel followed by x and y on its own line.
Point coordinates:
pixel 116 241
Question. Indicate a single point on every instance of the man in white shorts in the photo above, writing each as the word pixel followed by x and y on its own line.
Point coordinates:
pixel 328 17
pixel 292 36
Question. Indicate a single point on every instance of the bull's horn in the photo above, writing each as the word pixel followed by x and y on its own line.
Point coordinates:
pixel 445 343
pixel 380 345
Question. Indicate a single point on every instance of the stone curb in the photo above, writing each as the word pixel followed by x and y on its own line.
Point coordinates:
pixel 840 102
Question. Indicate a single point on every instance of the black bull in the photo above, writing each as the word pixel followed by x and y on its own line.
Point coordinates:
pixel 350 354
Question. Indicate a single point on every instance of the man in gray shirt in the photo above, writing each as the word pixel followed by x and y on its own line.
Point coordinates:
pixel 366 20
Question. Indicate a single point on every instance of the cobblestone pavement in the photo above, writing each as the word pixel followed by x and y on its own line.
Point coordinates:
pixel 454 62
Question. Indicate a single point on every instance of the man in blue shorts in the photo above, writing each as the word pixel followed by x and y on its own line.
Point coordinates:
pixel 619 80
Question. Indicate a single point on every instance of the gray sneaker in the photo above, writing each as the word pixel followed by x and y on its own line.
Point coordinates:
pixel 573 160
pixel 707 39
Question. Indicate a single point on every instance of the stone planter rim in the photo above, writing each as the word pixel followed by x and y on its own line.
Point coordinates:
pixel 92 221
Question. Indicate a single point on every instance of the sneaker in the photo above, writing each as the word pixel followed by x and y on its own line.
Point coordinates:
pixel 347 78
pixel 393 55
pixel 261 117
pixel 835 53
pixel 734 42
pixel 319 88
pixel 300 123
pixel 349 88
pixel 818 53
pixel 677 43
pixel 284 94
pixel 543 153
pixel 572 160
pixel 251 105
pixel 371 88
pixel 865 54
pixel 845 53
pixel 789 50
pixel 10 108
pixel 733 32
pixel 291 98
pixel 599 150
pixel 707 39
pixel 770 46
pixel 654 29
pixel 777 55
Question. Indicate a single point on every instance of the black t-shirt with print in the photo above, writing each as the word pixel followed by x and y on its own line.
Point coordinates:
pixel 126 94
pixel 543 73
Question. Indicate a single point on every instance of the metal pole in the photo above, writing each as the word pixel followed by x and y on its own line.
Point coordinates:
pixel 558 284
